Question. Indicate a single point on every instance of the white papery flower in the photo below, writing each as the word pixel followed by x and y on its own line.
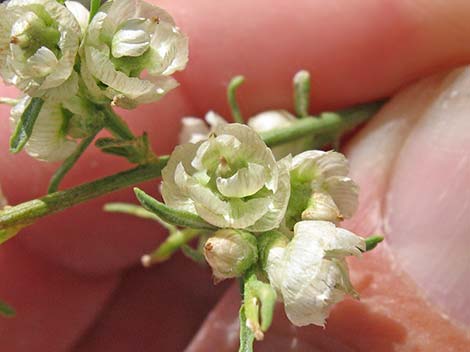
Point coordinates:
pixel 310 274
pixel 230 180
pixel 272 119
pixel 124 39
pixel 195 129
pixel 321 189
pixel 39 41
pixel 48 141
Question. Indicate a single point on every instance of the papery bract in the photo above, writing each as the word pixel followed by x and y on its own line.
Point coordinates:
pixel 126 39
pixel 272 119
pixel 39 41
pixel 230 180
pixel 194 129
pixel 310 273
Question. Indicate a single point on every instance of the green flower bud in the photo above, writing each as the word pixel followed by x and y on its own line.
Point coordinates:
pixel 230 253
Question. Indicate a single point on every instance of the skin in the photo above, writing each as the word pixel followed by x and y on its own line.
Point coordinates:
pixel 74 278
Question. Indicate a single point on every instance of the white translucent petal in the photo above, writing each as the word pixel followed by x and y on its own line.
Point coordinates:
pixel 117 12
pixel 170 48
pixel 63 92
pixel 93 91
pixel 147 10
pixel 333 164
pixel 132 89
pixel 309 293
pixel 324 236
pixel 214 119
pixel 274 268
pixel 278 202
pixel 69 41
pixel 132 39
pixel 304 165
pixel 6 21
pixel 95 29
pixel 47 141
pixel 42 62
pixel 347 243
pixel 246 213
pixel 344 192
pixel 245 182
pixel 80 13
pixel 173 196
pixel 210 153
pixel 254 148
pixel 269 120
pixel 192 126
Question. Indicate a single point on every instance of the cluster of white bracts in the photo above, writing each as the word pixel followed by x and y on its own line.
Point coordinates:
pixel 229 177
pixel 231 180
pixel 50 51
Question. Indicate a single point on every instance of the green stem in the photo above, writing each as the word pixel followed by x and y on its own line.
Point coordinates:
pixel 131 209
pixel 232 99
pixel 302 93
pixel 69 163
pixel 9 101
pixel 174 242
pixel 333 124
pixel 26 213
pixel 116 125
pixel 29 211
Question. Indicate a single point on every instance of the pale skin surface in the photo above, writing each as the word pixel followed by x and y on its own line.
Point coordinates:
pixel 74 278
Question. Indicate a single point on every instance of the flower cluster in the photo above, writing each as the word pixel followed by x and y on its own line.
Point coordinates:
pixel 71 67
pixel 288 209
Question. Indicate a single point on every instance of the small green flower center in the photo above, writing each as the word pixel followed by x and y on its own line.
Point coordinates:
pixel 34 32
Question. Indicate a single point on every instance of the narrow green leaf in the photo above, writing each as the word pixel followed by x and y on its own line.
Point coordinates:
pixel 172 216
pixel 173 242
pixel 372 242
pixel 247 337
pixel 25 125
pixel 130 209
pixel 232 99
pixel 6 310
pixel 193 254
pixel 302 93
pixel 68 163
pixel 9 101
